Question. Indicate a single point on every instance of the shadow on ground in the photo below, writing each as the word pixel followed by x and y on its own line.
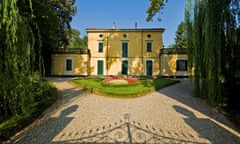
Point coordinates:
pixel 44 132
pixel 215 133
pixel 60 79
pixel 125 131
pixel 65 95
pixel 130 131
pixel 207 128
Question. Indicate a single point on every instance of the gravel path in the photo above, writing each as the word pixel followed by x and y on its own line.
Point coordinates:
pixel 169 115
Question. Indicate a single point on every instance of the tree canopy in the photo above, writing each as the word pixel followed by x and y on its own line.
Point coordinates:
pixel 213 48
pixel 17 57
pixel 181 36
pixel 29 31
pixel 155 7
pixel 76 41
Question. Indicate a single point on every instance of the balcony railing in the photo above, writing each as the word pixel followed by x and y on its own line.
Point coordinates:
pixel 173 51
pixel 72 50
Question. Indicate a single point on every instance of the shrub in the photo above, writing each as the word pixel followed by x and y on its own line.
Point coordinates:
pixel 45 94
pixel 134 88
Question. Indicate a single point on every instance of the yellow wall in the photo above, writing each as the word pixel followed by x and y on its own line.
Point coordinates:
pixel 163 64
pixel 137 50
pixel 168 62
pixel 79 64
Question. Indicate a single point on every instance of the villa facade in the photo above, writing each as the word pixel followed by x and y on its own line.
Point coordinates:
pixel 134 52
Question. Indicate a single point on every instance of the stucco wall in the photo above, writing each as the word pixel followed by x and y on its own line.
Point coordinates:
pixel 137 50
pixel 168 64
pixel 79 64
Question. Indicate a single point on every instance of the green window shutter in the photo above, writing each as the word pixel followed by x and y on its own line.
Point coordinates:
pixel 125 67
pixel 100 47
pixel 149 67
pixel 149 46
pixel 124 49
pixel 100 67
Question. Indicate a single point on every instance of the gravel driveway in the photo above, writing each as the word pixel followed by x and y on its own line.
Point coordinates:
pixel 169 115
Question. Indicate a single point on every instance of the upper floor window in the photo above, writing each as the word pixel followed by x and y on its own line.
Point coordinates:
pixel 181 65
pixel 100 47
pixel 124 49
pixel 149 46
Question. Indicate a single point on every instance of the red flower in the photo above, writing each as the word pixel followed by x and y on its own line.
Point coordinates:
pixel 106 80
pixel 131 80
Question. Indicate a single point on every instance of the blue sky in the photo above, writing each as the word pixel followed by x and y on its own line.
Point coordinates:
pixel 125 13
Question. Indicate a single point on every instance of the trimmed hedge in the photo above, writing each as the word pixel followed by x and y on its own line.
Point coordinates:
pixel 95 85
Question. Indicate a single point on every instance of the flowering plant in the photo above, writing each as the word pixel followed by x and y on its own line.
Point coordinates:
pixel 120 81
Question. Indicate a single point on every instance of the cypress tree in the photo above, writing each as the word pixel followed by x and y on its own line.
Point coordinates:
pixel 17 59
pixel 211 28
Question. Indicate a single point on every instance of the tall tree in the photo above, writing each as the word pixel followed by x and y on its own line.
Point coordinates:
pixel 213 48
pixel 28 30
pixel 180 37
pixel 66 10
pixel 76 41
pixel 17 57
pixel 52 18
pixel 47 21
pixel 154 8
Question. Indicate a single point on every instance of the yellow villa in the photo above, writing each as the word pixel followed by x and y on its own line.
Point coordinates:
pixel 125 51
pixel 132 52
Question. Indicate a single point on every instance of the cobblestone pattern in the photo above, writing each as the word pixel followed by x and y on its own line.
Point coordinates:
pixel 169 115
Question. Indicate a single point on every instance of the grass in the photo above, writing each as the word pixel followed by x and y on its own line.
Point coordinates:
pixel 95 85
pixel 15 123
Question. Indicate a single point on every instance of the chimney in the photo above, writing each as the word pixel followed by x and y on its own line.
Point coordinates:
pixel 114 25
pixel 135 25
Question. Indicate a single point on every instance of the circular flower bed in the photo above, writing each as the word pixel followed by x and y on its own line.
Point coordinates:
pixel 120 81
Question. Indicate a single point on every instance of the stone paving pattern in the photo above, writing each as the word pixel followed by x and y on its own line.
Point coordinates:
pixel 170 115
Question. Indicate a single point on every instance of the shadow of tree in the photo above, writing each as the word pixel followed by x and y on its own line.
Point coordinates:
pixel 182 93
pixel 44 131
pixel 65 96
pixel 125 131
pixel 59 79
pixel 207 128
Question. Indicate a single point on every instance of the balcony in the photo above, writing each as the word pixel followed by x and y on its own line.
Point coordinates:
pixel 173 51
pixel 71 51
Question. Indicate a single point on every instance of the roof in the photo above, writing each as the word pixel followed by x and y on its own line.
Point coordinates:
pixel 131 30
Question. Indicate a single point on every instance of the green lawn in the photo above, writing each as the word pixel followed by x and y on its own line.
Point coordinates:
pixel 145 86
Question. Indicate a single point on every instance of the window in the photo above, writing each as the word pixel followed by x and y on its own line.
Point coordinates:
pixel 124 49
pixel 100 47
pixel 149 46
pixel 181 65
pixel 68 64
